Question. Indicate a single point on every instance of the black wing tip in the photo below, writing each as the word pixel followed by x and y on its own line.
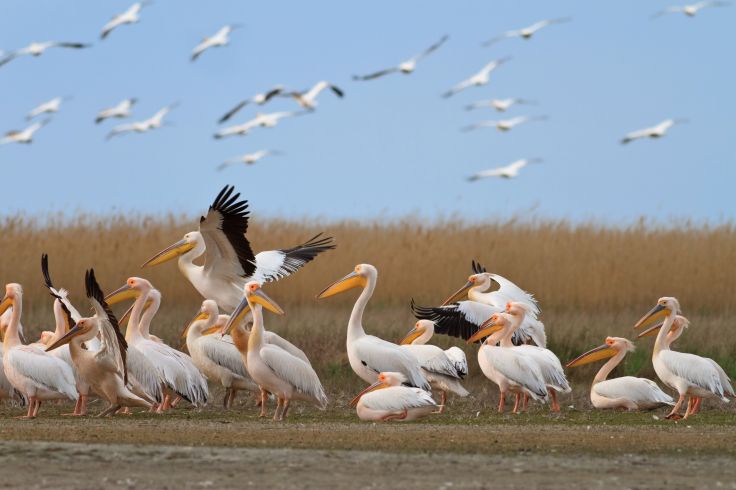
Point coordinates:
pixel 478 268
pixel 45 270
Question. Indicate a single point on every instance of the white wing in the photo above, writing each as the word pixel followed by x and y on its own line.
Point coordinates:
pixel 314 91
pixel 278 341
pixel 517 368
pixel 177 370
pixel 638 390
pixel 397 398
pixel 223 354
pixel 294 371
pixel 549 366
pixel 696 370
pixel 458 357
pixel 381 356
pixel 46 371
pixel 725 380
pixel 506 287
pixel 432 359
pixel 144 372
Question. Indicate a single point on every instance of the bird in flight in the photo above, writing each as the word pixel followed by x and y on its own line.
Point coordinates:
pixel 506 172
pixel 479 79
pixel 37 49
pixel 263 120
pixel 48 107
pixel 221 38
pixel 526 32
pixel 689 10
pixel 130 16
pixel 248 158
pixel 405 67
pixel 653 132
pixel 259 99
pixel 308 98
pixel 153 122
pixel 500 105
pixel 121 110
pixel 24 136
pixel 504 124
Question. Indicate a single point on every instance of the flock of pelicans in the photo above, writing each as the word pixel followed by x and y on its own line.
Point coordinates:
pixel 89 356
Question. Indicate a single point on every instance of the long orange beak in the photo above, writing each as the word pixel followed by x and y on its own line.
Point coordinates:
pixel 352 280
pixel 413 334
pixel 656 313
pixel 459 294
pixel 601 352
pixel 484 332
pixel 170 252
pixel 378 385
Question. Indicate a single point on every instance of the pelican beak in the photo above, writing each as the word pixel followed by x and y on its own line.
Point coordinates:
pixel 236 316
pixel 352 280
pixel 170 252
pixel 601 352
pixel 258 296
pixel 121 294
pixel 5 304
pixel 211 330
pixel 76 330
pixel 460 293
pixel 375 386
pixel 486 330
pixel 413 334
pixel 202 315
pixel 659 311
pixel 653 330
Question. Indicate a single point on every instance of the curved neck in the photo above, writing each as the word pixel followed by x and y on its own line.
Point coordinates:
pixel 186 260
pixel 661 343
pixel 515 323
pixel 145 323
pixel 12 338
pixel 355 325
pixel 240 338
pixel 609 366
pixel 255 339
pixel 60 320
pixel 131 332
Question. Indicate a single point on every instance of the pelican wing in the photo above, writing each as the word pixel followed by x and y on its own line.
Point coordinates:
pixel 696 370
pixel 458 319
pixel 43 369
pixel 144 372
pixel 517 368
pixel 224 354
pixel 275 339
pixel 549 365
pixel 431 49
pixel 374 75
pixel 381 356
pixel 725 380
pixel 506 287
pixel 272 265
pixel 113 346
pixel 177 370
pixel 232 111
pixel 458 357
pixel 397 398
pixel 432 359
pixel 294 371
pixel 71 312
pixel 639 390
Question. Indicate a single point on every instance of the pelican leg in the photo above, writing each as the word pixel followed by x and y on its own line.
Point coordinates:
pixel 287 402
pixel 516 403
pixel 502 402
pixel 31 405
pixel 36 408
pixel 167 403
pixel 698 402
pixel 176 401
pixel 233 394
pixel 264 398
pixel 109 410
pixel 226 397
pixel 77 408
pixel 555 406
pixel 395 416
pixel 279 406
pixel 690 407
pixel 525 403
pixel 443 401
pixel 675 413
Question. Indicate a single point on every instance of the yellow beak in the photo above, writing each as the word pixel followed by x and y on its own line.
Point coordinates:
pixel 352 280
pixel 202 315
pixel 375 386
pixel 413 334
pixel 5 304
pixel 121 294
pixel 211 330
pixel 601 352
pixel 653 330
pixel 170 252
pixel 653 315
pixel 484 332
pixel 459 294
pixel 255 297
pixel 76 330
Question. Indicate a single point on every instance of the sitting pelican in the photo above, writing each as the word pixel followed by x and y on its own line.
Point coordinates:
pixel 387 399
pixel 369 355
pixel 273 369
pixel 229 261
pixel 689 374
pixel 443 368
pixel 218 359
pixel 626 392
pixel 104 370
pixel 37 375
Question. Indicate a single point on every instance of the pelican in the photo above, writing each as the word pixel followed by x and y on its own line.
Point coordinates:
pixel 479 79
pixel 34 373
pixel 689 374
pixel 369 355
pixel 503 125
pixel 121 110
pixel 153 122
pixel 527 32
pixel 387 399
pixel 218 359
pixel 48 107
pixel 37 49
pixel 690 10
pixel 499 105
pixel 248 158
pixel 406 67
pixel 626 392
pixel 652 132
pixel 261 120
pixel 24 136
pixel 229 261
pixel 221 38
pixel 308 98
pixel 259 99
pixel 443 368
pixel 506 172
pixel 7 390
pixel 273 369
pixel 130 16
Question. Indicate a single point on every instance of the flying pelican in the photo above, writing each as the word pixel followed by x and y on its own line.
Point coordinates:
pixel 261 120
pixel 689 374
pixel 503 125
pixel 37 49
pixel 259 99
pixel 369 355
pixel 443 368
pixel 652 132
pixel 308 98
pixel 248 158
pixel 221 38
pixel 121 110
pixel 104 370
pixel 273 369
pixel 626 392
pixel 506 172
pixel 229 261
pixel 527 32
pixel 387 399
pixel 219 360
pixel 479 79
pixel 48 107
pixel 689 10
pixel 24 136
pixel 153 122
pixel 405 67
pixel 130 16
pixel 499 105
pixel 34 373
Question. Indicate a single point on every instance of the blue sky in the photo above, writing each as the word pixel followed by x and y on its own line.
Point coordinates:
pixel 392 146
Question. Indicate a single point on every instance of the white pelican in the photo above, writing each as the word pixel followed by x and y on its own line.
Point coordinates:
pixel 121 110
pixel 153 122
pixel 689 374
pixel 308 98
pixel 34 373
pixel 104 370
pixel 690 10
pixel 273 369
pixel 48 107
pixel 503 125
pixel 626 392
pixel 499 105
pixel 506 172
pixel 221 38
pixel 369 355
pixel 479 79
pixel 259 99
pixel 130 16
pixel 405 67
pixel 387 399
pixel 261 120
pixel 24 136
pixel 443 368
pixel 7 390
pixel 652 132
pixel 37 49
pixel 218 359
pixel 527 32
pixel 248 158
pixel 229 261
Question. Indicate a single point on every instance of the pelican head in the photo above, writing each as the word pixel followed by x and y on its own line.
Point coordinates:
pixel 665 307
pixel 45 337
pixel 421 333
pixel 192 240
pixel 481 281
pixel 679 324
pixel 13 292
pixel 252 296
pixel 517 308
pixel 356 279
pixel 385 380
pixel 496 323
pixel 209 313
pixel 610 348
pixel 85 327
pixel 132 289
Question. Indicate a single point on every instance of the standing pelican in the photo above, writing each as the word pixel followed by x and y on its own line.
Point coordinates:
pixel 406 67
pixel 369 355
pixel 388 399
pixel 479 79
pixel 221 38
pixel 689 374
pixel 275 370
pixel 7 390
